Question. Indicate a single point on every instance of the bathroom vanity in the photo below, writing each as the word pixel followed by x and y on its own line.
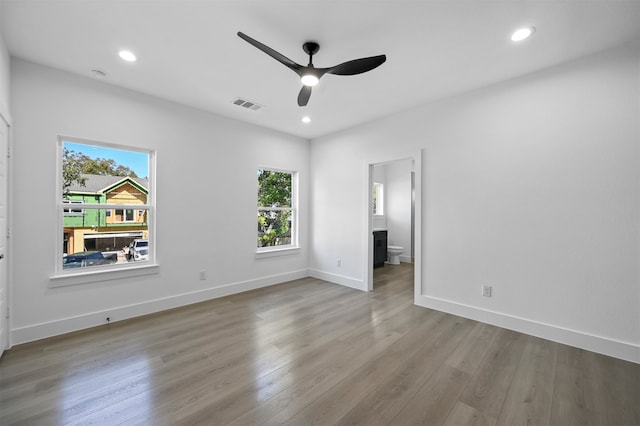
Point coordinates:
pixel 379 247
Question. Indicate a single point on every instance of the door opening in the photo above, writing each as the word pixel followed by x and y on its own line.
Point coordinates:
pixel 405 229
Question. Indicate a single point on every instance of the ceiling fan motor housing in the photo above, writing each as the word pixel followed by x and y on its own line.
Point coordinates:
pixel 311 47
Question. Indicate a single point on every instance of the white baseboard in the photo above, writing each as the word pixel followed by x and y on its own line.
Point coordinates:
pixel 618 349
pixel 405 259
pixel 606 346
pixel 338 279
pixel 80 322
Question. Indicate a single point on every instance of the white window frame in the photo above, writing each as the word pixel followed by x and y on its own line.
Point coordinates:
pixel 70 210
pixel 77 276
pixel 124 215
pixel 378 206
pixel 294 246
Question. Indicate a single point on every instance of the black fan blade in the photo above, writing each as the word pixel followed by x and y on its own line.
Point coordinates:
pixel 357 66
pixel 304 95
pixel 269 51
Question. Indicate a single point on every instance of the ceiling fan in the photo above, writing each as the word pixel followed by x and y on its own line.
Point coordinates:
pixel 310 75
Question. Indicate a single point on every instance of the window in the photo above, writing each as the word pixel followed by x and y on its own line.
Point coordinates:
pixel 277 212
pixel 114 184
pixel 124 215
pixel 128 215
pixel 378 199
pixel 72 210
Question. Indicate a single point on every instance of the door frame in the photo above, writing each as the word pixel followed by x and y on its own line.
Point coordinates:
pixel 367 238
pixel 5 119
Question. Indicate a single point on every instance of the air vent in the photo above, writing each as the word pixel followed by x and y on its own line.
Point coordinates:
pixel 247 104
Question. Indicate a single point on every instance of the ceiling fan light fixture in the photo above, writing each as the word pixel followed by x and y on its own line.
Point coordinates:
pixel 523 33
pixel 309 80
pixel 309 75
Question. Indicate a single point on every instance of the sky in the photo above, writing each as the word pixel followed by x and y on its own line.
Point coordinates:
pixel 136 161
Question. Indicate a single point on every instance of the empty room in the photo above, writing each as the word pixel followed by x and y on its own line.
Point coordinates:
pixel 447 201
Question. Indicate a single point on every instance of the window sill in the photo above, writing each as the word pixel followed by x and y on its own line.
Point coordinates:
pixel 285 251
pixel 99 275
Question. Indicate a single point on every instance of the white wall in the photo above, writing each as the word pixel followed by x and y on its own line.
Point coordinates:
pixel 398 206
pixel 4 78
pixel 206 199
pixel 5 338
pixel 531 186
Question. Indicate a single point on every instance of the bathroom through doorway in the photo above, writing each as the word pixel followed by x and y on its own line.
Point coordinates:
pixel 394 219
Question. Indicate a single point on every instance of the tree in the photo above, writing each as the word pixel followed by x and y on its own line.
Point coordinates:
pixel 75 164
pixel 274 188
pixel 274 208
pixel 103 166
pixel 71 170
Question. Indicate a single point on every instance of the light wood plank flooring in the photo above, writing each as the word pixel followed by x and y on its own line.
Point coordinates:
pixel 310 352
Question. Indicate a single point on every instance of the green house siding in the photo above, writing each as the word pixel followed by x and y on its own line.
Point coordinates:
pixel 77 217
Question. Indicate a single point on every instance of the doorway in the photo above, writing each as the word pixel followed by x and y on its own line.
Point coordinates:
pixel 414 243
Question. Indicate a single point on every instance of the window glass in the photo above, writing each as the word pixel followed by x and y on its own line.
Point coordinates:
pixel 73 210
pixel 276 209
pixel 128 216
pixel 113 185
pixel 378 198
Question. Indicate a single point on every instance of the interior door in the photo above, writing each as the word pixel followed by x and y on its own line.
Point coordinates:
pixel 4 285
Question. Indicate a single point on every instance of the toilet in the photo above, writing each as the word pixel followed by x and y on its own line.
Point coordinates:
pixel 394 253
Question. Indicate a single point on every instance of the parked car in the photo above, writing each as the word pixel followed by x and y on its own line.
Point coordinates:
pixel 138 250
pixel 84 259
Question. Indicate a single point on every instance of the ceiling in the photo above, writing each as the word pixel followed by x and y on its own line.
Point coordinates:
pixel 188 51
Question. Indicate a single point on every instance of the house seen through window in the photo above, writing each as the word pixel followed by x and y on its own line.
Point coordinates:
pixel 104 207
pixel 277 227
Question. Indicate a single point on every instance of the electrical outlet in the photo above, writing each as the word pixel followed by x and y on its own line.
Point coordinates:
pixel 486 290
pixel 339 262
pixel 203 275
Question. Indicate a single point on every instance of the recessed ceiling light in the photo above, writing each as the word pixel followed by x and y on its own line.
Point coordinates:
pixel 523 34
pixel 306 119
pixel 98 73
pixel 127 56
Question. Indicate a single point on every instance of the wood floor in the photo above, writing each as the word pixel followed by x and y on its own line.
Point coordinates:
pixel 310 352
